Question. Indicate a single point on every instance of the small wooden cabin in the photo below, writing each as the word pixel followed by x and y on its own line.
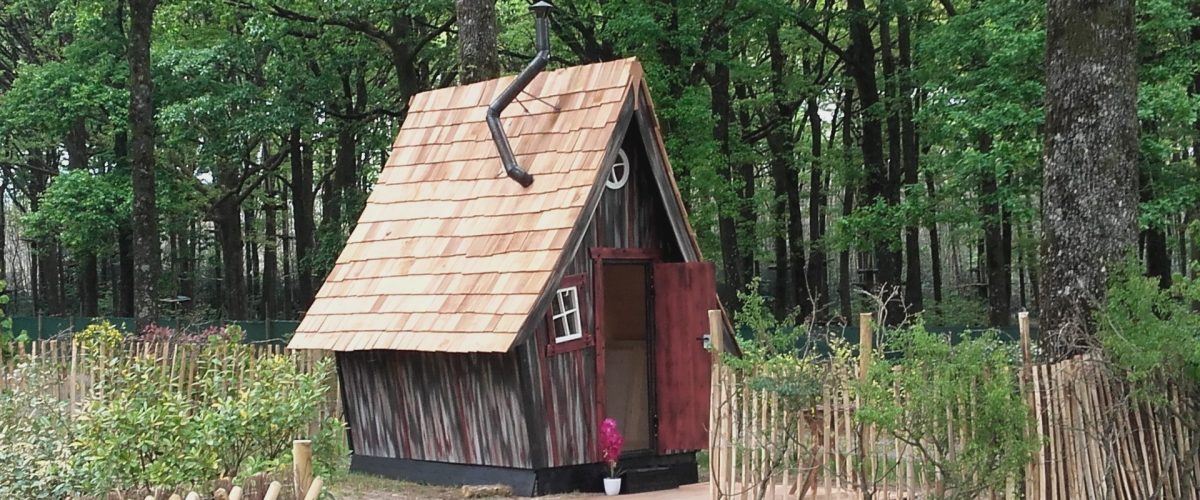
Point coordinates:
pixel 484 329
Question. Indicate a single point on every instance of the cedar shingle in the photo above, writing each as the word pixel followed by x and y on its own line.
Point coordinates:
pixel 450 254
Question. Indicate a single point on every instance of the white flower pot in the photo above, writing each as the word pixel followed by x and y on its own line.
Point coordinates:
pixel 612 486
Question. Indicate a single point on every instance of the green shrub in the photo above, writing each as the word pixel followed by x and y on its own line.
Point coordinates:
pixel 1152 335
pixel 957 311
pixel 237 418
pixel 35 437
pixel 970 389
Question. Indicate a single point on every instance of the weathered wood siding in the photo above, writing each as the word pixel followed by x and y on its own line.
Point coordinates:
pixel 631 217
pixel 471 408
pixel 444 407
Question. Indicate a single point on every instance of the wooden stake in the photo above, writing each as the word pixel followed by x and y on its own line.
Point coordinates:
pixel 302 466
pixel 273 491
pixel 314 491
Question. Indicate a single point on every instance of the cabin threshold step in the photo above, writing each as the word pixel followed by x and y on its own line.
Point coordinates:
pixel 643 479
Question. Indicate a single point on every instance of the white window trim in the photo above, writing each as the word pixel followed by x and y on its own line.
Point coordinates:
pixel 572 315
pixel 613 182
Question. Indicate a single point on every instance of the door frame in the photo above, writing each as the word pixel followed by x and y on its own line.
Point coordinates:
pixel 601 256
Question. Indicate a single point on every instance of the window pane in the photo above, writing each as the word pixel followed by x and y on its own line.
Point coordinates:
pixel 570 299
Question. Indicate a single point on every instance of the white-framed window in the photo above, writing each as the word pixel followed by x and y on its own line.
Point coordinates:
pixel 619 175
pixel 566 317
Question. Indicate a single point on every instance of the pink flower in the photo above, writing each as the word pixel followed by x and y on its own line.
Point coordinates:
pixel 610 444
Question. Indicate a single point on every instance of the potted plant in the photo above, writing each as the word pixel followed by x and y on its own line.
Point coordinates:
pixel 610 450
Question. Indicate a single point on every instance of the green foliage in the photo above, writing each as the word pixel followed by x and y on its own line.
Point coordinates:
pixel 6 324
pixel 35 436
pixel 1152 335
pixel 238 418
pixel 970 390
pixel 83 211
pixel 957 311
pixel 778 357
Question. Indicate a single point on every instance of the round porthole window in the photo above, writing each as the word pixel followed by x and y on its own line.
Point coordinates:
pixel 619 175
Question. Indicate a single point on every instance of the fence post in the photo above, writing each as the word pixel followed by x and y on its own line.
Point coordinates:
pixel 301 466
pixel 866 339
pixel 1028 395
pixel 716 400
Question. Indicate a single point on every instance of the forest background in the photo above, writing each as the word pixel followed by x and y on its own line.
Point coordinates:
pixel 221 151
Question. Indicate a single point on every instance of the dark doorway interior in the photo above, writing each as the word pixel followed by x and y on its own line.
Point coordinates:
pixel 627 368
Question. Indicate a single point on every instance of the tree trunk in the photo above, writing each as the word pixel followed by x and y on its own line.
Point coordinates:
pixel 478 58
pixel 847 206
pixel 251 258
pixel 89 286
pixel 45 278
pixel 790 286
pixel 878 177
pixel 818 281
pixel 141 135
pixel 935 241
pixel 1089 218
pixel 914 295
pixel 125 306
pixel 286 236
pixel 895 153
pixel 1158 259
pixel 228 221
pixel 4 235
pixel 302 213
pixel 270 274
pixel 731 255
pixel 994 276
pixel 76 144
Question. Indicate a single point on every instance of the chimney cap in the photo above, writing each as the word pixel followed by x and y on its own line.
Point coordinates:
pixel 541 8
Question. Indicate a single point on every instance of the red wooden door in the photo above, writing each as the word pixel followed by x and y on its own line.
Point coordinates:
pixel 683 295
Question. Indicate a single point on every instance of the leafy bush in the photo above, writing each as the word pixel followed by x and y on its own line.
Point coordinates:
pixel 237 418
pixel 159 333
pixel 35 436
pixel 1152 335
pixel 957 311
pixel 779 357
pixel 968 390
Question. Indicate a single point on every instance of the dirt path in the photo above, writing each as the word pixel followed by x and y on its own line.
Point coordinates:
pixel 364 487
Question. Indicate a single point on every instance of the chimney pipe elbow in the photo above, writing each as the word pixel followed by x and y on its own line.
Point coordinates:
pixel 541 11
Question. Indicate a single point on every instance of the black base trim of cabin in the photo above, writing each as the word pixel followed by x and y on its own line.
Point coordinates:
pixel 677 469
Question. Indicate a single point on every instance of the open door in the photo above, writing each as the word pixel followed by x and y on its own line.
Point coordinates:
pixel 683 294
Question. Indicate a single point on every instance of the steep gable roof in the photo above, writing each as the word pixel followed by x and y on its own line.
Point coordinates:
pixel 449 253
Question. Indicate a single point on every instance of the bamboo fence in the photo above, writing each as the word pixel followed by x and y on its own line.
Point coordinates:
pixel 76 379
pixel 1094 441
pixel 76 373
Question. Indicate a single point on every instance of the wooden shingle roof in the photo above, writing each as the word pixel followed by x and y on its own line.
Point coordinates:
pixel 450 254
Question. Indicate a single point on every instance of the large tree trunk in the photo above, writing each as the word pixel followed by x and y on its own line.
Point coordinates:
pixel 45 275
pixel 270 274
pixel 913 293
pixel 818 281
pixel 146 259
pixel 125 273
pixel 878 177
pixel 1089 218
pixel 790 286
pixel 76 144
pixel 995 276
pixel 302 213
pixel 249 221
pixel 227 218
pixel 847 206
pixel 4 235
pixel 478 59
pixel 895 153
pixel 935 242
pixel 736 275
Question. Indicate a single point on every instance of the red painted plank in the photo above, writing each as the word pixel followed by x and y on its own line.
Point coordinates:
pixel 684 293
